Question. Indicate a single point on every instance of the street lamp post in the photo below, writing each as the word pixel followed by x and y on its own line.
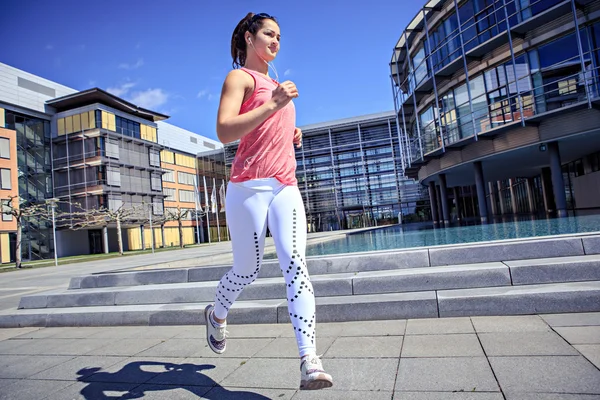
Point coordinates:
pixel 52 202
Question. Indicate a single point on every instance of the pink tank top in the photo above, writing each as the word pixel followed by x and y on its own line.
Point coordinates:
pixel 268 150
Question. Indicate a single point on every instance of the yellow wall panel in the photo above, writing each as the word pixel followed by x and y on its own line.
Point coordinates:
pixel 69 124
pixel 134 239
pixel 112 122
pixel 5 248
pixel 158 237
pixel 143 133
pixel 77 123
pixel 167 156
pixel 154 138
pixel 85 121
pixel 61 126
pixel 188 236
pixel 104 120
pixel 2 118
pixel 92 119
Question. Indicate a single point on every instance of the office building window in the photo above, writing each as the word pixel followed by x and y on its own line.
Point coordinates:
pixel 112 149
pixel 4 148
pixel 185 179
pixel 154 158
pixel 157 207
pixel 113 176
pixel 169 176
pixel 156 182
pixel 186 196
pixel 5 179
pixel 6 215
pixel 170 194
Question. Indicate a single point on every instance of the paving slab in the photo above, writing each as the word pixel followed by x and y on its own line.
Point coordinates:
pixel 332 394
pixel 283 374
pixel 580 334
pixel 138 332
pixel 286 347
pixel 551 396
pixel 455 345
pixel 78 368
pixel 591 352
pixel 447 395
pixel 510 323
pixel 59 346
pixel 364 347
pixel 525 344
pixel 92 390
pixel 436 326
pixel 361 328
pixel 572 319
pixel 235 393
pixel 9 333
pixel 24 366
pixel 546 374
pixel 134 370
pixel 32 389
pixel 125 347
pixel 205 371
pixel 445 375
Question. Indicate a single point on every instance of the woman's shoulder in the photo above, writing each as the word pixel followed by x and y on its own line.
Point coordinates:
pixel 239 76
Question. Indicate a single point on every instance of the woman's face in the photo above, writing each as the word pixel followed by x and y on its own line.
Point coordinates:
pixel 266 40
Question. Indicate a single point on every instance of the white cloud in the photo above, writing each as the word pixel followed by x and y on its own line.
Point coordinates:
pixel 287 72
pixel 151 98
pixel 122 90
pixel 138 64
pixel 205 93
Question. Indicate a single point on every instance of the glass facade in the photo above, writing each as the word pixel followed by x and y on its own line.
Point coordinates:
pixel 351 176
pixel 542 78
pixel 35 179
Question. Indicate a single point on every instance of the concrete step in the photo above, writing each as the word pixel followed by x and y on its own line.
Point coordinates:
pixel 506 300
pixel 525 299
pixel 376 261
pixel 344 284
pixel 555 269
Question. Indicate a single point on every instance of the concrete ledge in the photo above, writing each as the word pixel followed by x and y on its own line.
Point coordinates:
pixel 515 300
pixel 554 270
pixel 80 299
pixel 371 307
pixel 242 313
pixel 591 245
pixel 142 278
pixel 432 278
pixel 501 251
pixel 34 301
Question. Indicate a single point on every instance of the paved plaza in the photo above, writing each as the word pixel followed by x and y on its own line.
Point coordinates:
pixel 553 357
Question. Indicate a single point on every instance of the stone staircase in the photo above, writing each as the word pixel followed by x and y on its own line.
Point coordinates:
pixel 554 275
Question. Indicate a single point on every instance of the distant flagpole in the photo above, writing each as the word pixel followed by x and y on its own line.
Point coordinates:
pixel 196 201
pixel 216 208
pixel 206 201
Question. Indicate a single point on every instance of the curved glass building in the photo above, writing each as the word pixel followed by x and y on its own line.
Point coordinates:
pixel 498 106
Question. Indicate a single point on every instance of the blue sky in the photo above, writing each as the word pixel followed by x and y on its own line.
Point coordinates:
pixel 172 56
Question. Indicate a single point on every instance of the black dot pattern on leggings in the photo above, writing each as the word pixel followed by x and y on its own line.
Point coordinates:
pixel 237 283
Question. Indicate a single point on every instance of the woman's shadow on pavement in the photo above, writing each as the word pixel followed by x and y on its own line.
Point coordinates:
pixel 187 376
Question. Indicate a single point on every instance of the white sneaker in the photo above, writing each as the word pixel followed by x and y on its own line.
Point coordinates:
pixel 312 375
pixel 215 336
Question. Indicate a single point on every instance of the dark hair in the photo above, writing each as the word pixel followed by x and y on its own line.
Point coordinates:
pixel 251 23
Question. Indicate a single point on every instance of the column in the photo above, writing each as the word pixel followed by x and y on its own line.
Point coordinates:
pixel 143 237
pixel 433 202
pixel 105 239
pixel 444 197
pixel 549 204
pixel 457 203
pixel 501 198
pixel 492 198
pixel 558 183
pixel 513 197
pixel 530 200
pixel 480 184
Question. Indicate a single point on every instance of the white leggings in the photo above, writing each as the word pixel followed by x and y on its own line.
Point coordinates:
pixel 251 206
